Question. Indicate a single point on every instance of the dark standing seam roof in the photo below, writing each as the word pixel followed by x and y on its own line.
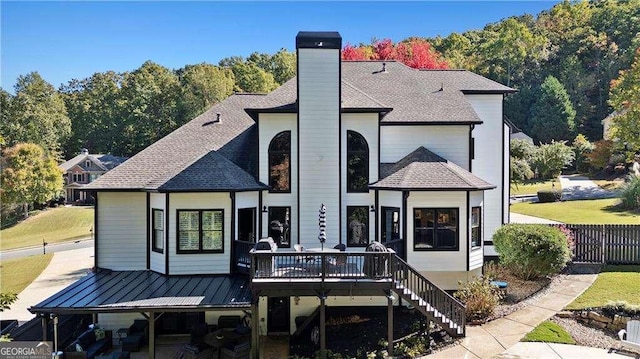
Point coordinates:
pixel 109 291
pixel 425 170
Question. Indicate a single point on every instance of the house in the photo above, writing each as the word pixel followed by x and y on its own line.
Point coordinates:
pixel 515 133
pixel 82 169
pixel 416 160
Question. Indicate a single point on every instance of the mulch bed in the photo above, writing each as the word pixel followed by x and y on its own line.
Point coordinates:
pixel 356 331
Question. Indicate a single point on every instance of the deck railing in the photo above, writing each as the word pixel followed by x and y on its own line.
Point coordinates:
pixel 242 258
pixel 310 265
pixel 435 302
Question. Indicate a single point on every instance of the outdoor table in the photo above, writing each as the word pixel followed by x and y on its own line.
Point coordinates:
pixel 323 250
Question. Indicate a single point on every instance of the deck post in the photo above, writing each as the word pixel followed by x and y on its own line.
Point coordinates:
pixel 152 335
pixel 43 321
pixel 255 328
pixel 323 334
pixel 390 325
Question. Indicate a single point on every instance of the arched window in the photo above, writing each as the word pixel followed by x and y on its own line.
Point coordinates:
pixel 280 162
pixel 357 163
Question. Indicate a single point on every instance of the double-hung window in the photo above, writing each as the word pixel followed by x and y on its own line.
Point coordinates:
pixel 476 227
pixel 201 231
pixel 157 239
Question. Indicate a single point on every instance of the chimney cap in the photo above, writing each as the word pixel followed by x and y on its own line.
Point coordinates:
pixel 318 40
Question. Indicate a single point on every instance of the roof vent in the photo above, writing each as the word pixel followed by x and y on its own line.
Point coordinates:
pixel 84 151
pixel 384 67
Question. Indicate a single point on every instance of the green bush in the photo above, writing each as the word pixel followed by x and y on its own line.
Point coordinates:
pixel 531 251
pixel 549 195
pixel 479 297
pixel 630 193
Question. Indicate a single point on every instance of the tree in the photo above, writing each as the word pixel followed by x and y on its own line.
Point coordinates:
pixel 551 158
pixel 581 148
pixel 202 86
pixel 413 52
pixel 552 114
pixel 282 64
pixel 29 175
pixel 37 114
pixel 95 107
pixel 150 96
pixel 625 98
pixel 251 78
pixel 6 299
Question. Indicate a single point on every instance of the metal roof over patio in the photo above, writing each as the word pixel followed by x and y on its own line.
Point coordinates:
pixel 146 291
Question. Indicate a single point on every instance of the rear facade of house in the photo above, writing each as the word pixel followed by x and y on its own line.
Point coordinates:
pixel 416 160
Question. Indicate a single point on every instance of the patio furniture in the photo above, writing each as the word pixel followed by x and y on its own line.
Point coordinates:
pixel 630 337
pixel 137 336
pixel 238 351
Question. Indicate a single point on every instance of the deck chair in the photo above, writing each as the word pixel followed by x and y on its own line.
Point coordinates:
pixel 630 337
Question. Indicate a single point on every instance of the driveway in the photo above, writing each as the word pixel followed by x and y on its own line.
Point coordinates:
pixel 576 187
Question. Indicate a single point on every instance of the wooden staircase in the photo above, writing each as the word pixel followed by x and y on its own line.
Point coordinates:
pixel 433 302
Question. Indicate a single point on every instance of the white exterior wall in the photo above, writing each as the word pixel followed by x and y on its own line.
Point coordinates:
pixel 367 126
pixel 489 154
pixel 269 126
pixel 319 120
pixel 506 183
pixel 121 236
pixel 450 142
pixel 438 261
pixel 157 260
pixel 476 256
pixel 199 263
pixel 247 200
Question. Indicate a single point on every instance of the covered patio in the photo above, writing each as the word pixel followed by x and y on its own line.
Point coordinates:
pixel 146 292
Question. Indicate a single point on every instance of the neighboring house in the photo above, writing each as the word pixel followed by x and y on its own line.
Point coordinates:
pixel 83 169
pixel 516 133
pixel 417 160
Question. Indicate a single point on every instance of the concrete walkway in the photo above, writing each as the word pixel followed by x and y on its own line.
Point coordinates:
pixel 576 187
pixel 493 338
pixel 65 268
pixel 557 351
pixel 523 218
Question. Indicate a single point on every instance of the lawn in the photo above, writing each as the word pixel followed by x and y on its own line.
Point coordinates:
pixel 597 211
pixel 615 283
pixel 533 186
pixel 609 185
pixel 17 274
pixel 549 332
pixel 53 225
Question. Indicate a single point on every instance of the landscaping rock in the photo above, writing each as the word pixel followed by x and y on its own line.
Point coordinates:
pixel 599 317
pixel 597 324
pixel 565 314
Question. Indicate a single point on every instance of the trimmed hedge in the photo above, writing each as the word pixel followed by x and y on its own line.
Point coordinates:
pixel 549 195
pixel 531 251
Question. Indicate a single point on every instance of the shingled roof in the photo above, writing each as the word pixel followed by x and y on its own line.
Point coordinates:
pixel 425 170
pixel 184 159
pixel 176 161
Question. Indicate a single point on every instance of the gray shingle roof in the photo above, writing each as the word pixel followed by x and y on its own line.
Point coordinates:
pixel 425 170
pixel 101 162
pixel 163 163
pixel 184 159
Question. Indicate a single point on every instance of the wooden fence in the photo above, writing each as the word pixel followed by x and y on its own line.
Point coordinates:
pixel 605 243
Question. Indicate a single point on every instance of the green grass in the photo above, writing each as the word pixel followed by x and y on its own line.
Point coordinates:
pixel 609 185
pixel 615 283
pixel 549 332
pixel 533 186
pixel 53 225
pixel 17 274
pixel 598 211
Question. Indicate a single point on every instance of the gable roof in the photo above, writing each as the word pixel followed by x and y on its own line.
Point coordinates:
pixel 103 162
pixel 425 170
pixel 173 161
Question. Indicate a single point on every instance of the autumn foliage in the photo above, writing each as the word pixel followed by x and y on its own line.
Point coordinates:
pixel 415 53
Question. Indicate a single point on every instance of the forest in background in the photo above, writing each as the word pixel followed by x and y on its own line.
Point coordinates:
pixel 562 61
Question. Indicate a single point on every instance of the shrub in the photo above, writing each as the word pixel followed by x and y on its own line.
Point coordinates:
pixel 531 251
pixel 479 296
pixel 520 170
pixel 599 157
pixel 630 193
pixel 581 148
pixel 551 158
pixel 549 195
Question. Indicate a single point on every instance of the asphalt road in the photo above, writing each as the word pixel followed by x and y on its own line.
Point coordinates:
pixel 50 248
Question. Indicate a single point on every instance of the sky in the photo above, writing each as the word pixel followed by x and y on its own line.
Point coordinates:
pixel 73 40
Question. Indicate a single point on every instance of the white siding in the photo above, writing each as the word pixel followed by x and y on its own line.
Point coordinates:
pixel 201 263
pixel 367 126
pixel 319 103
pixel 157 263
pixel 476 257
pixel 489 155
pixel 438 260
pixel 271 125
pixel 122 234
pixel 450 142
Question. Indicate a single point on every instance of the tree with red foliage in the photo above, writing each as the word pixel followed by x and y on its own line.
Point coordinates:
pixel 415 53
